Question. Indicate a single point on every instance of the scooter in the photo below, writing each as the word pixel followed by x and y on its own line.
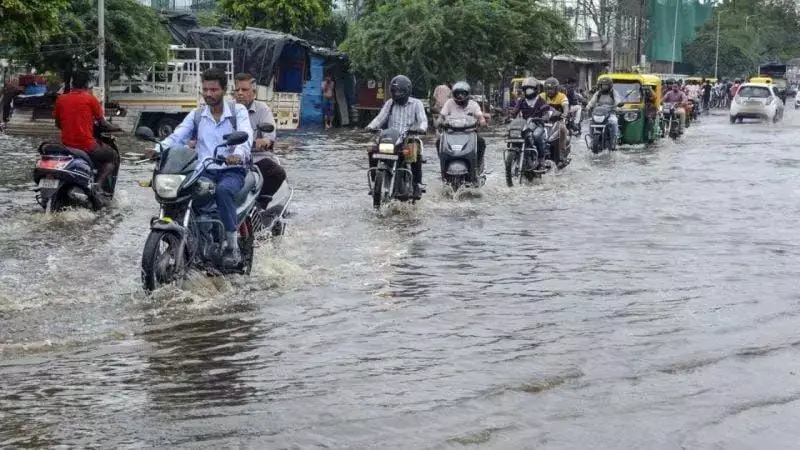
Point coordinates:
pixel 272 218
pixel 65 177
pixel 458 154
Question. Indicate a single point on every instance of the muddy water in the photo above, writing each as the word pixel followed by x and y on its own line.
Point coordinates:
pixel 646 299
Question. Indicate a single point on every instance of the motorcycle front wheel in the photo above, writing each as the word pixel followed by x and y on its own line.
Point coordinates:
pixel 513 166
pixel 377 190
pixel 163 260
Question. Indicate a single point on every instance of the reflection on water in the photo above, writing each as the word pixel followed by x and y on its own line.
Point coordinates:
pixel 650 287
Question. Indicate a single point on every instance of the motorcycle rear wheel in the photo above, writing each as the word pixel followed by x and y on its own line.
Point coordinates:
pixel 155 271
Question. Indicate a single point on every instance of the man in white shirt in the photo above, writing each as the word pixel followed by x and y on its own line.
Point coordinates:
pixel 460 106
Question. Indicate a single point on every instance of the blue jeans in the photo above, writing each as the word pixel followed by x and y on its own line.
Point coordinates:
pixel 229 182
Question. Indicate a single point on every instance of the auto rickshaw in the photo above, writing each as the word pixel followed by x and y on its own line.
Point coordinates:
pixel 635 125
pixel 652 107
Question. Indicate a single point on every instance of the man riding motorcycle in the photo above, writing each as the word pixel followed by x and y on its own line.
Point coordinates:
pixel 558 101
pixel 218 118
pixel 675 95
pixel 461 106
pixel 532 106
pixel 607 96
pixel 402 113
pixel 75 114
pixel 263 144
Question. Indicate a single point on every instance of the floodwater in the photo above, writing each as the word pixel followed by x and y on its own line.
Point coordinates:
pixel 646 299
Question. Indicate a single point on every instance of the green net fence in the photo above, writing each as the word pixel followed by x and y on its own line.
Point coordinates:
pixel 691 14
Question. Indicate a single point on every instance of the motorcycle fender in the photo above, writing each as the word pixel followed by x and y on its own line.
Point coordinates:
pixel 457 168
pixel 167 225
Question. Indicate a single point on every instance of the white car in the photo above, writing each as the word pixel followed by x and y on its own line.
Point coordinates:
pixel 756 101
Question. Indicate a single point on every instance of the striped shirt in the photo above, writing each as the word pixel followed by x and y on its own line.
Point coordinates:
pixel 402 118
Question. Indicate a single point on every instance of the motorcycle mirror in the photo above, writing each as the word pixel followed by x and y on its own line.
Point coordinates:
pixel 145 134
pixel 235 138
pixel 266 127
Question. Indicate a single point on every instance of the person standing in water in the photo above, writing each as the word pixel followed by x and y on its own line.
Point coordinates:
pixel 328 100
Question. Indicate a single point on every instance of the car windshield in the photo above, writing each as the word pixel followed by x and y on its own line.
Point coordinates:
pixel 628 92
pixel 755 92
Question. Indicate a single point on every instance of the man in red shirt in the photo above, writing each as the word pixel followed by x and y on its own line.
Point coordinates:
pixel 75 113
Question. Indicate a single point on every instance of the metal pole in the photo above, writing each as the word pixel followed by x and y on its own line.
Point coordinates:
pixel 675 34
pixel 101 50
pixel 639 26
pixel 716 57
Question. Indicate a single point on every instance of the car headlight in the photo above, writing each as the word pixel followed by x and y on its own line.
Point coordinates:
pixel 739 100
pixel 166 185
pixel 630 116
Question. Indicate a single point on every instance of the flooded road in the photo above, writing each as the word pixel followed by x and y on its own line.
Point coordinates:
pixel 646 299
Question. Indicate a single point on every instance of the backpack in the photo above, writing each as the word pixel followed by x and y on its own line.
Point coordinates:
pixel 198 115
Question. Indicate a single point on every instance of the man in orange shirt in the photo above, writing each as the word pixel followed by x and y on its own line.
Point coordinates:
pixel 75 114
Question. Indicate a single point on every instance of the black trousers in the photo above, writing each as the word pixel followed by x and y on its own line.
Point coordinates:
pixel 274 175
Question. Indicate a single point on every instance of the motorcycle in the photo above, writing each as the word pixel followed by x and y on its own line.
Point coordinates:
pixel 550 119
pixel 272 217
pixel 601 136
pixel 458 154
pixel 392 178
pixel 521 156
pixel 671 122
pixel 693 111
pixel 188 223
pixel 65 177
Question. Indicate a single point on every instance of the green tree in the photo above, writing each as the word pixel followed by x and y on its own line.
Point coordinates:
pixel 288 16
pixel 445 40
pixel 26 24
pixel 135 39
pixel 751 32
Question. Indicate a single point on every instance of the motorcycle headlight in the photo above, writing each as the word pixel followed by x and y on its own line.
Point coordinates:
pixel 599 118
pixel 166 185
pixel 631 116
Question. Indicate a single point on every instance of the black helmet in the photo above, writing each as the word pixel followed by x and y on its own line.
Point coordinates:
pixel 461 92
pixel 551 83
pixel 605 81
pixel 400 88
pixel 670 81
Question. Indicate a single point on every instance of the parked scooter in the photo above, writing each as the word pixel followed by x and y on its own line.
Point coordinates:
pixel 65 177
pixel 188 234
pixel 458 154
pixel 391 178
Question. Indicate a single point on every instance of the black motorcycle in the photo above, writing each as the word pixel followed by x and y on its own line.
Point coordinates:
pixel 391 178
pixel 601 136
pixel 65 177
pixel 550 120
pixel 458 154
pixel 188 234
pixel 521 157
pixel 671 122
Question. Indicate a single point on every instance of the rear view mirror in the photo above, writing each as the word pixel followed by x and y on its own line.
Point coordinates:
pixel 266 127
pixel 145 134
pixel 235 138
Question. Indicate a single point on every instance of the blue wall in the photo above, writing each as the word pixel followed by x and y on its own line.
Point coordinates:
pixel 311 104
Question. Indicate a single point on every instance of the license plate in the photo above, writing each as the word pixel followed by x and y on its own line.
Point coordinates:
pixel 48 183
pixel 753 103
pixel 387 157
pixel 386 148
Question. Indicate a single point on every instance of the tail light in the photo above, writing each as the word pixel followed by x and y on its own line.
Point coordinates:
pixel 54 162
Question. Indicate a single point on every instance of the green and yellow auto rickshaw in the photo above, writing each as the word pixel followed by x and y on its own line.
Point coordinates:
pixel 652 107
pixel 636 125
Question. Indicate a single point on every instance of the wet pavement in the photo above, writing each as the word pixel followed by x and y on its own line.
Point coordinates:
pixel 645 299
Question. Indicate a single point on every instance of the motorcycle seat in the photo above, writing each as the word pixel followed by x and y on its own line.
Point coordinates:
pixel 58 149
pixel 250 182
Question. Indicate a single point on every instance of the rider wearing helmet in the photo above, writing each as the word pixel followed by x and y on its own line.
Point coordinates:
pixel 557 100
pixel 531 105
pixel 461 106
pixel 606 96
pixel 402 113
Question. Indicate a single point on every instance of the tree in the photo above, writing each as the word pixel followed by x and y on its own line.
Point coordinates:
pixel 135 39
pixel 26 24
pixel 446 40
pixel 288 16
pixel 772 33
